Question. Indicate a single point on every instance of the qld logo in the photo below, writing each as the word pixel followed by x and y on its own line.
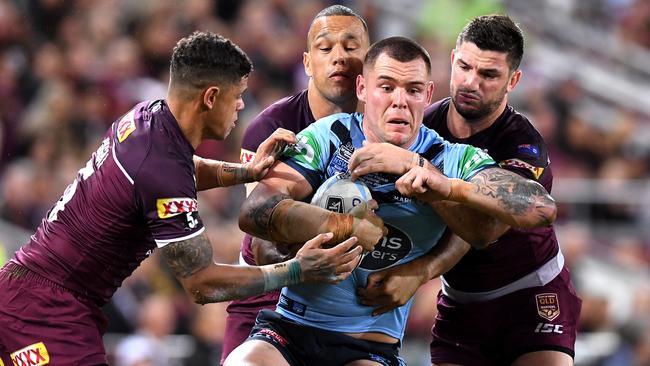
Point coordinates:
pixel 392 248
pixel 548 306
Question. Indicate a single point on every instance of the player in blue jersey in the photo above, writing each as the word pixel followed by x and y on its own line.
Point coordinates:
pixel 512 302
pixel 325 325
pixel 336 44
pixel 138 193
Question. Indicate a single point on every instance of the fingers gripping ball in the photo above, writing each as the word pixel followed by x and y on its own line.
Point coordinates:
pixel 340 194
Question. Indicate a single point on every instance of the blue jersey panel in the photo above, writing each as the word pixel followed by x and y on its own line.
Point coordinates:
pixel 324 149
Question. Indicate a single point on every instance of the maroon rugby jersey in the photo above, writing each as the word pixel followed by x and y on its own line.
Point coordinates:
pixel 137 191
pixel 515 144
pixel 291 113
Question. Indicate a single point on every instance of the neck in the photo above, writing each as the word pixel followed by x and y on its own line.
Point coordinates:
pixel 461 128
pixel 184 111
pixel 322 107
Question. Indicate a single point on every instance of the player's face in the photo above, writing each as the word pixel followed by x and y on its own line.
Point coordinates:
pixel 395 95
pixel 337 45
pixel 228 103
pixel 480 81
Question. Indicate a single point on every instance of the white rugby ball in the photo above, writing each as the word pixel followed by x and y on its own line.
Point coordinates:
pixel 340 194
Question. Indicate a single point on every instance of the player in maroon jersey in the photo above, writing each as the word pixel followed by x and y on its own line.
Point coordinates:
pixel 336 44
pixel 512 301
pixel 138 192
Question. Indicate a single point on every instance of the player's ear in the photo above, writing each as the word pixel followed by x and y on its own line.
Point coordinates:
pixel 361 88
pixel 514 80
pixel 306 62
pixel 430 88
pixel 210 96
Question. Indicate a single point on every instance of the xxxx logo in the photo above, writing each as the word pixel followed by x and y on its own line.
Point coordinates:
pixel 168 207
pixel 33 355
pixel 126 126
pixel 246 156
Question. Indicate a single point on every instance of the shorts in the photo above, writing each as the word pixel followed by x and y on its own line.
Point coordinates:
pixel 308 346
pixel 241 319
pixel 498 331
pixel 42 322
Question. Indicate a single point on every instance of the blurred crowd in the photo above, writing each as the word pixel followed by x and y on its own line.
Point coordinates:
pixel 69 68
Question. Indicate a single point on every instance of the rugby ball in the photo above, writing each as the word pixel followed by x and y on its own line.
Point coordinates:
pixel 340 194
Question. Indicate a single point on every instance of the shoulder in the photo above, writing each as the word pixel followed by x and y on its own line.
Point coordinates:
pixel 435 115
pixel 132 135
pixel 336 123
pixel 519 138
pixel 291 113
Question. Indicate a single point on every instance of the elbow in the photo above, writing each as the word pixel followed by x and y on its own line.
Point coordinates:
pixel 480 243
pixel 546 212
pixel 247 221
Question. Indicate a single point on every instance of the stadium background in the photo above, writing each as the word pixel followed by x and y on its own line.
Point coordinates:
pixel 69 68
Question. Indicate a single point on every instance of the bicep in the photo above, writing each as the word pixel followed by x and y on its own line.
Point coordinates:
pixel 187 257
pixel 284 180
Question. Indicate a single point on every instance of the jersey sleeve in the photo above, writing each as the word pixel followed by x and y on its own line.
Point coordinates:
pixel 256 132
pixel 310 154
pixel 463 161
pixel 166 192
pixel 526 156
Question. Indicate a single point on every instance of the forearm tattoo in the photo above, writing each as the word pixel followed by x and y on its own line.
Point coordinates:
pixel 515 193
pixel 261 215
pixel 229 174
pixel 188 256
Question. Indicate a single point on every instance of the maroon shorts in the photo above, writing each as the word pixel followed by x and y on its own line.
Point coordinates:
pixel 42 322
pixel 241 319
pixel 497 332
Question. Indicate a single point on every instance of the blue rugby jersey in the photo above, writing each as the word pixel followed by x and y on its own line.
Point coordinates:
pixel 324 149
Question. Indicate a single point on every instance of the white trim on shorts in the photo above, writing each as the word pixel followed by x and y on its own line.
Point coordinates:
pixel 540 277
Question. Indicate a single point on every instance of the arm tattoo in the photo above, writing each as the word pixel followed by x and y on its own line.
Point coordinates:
pixel 515 193
pixel 231 174
pixel 188 256
pixel 261 214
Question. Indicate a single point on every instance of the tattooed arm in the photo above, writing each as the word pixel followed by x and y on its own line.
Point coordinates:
pixel 273 212
pixel 206 281
pixel 213 173
pixel 508 197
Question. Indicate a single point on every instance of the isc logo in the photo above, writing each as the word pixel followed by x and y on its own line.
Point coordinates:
pixel 548 328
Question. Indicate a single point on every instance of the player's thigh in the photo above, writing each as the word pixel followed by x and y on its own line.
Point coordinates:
pixel 255 353
pixel 547 358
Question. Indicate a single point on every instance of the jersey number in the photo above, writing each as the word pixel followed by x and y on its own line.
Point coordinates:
pixel 99 156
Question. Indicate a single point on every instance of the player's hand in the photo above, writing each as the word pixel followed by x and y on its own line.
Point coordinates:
pixel 391 288
pixel 379 157
pixel 426 184
pixel 331 265
pixel 268 152
pixel 267 252
pixel 368 227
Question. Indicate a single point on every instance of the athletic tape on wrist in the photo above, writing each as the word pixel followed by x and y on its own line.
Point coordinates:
pixel 281 274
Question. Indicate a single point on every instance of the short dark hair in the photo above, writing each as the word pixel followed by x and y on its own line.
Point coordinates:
pixel 340 10
pixel 401 49
pixel 495 33
pixel 205 57
pixel 337 10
